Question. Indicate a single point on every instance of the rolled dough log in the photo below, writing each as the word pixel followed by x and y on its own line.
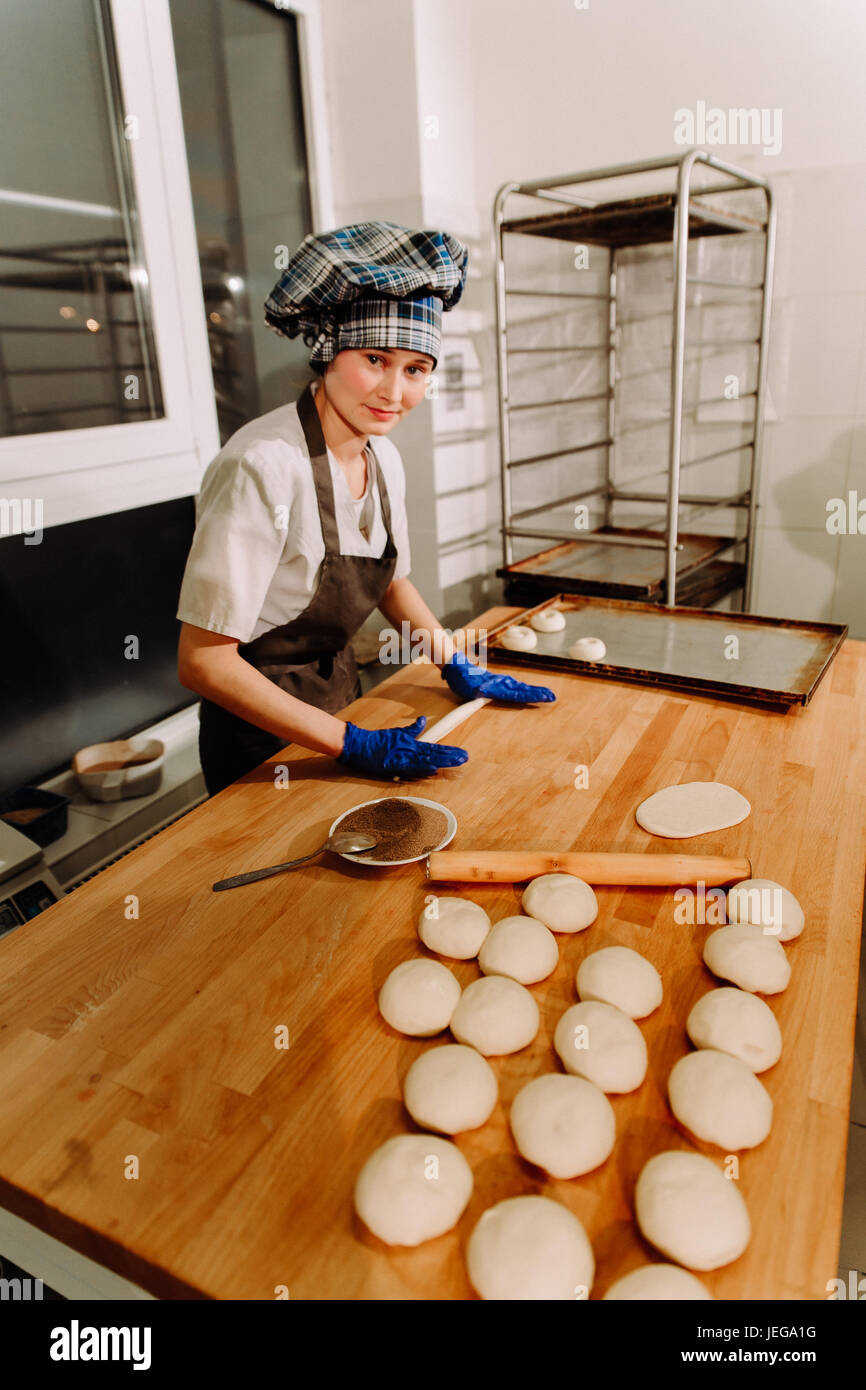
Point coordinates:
pixel 530 1248
pixel 658 1282
pixel 622 977
pixel 550 620
pixel 450 1088
pixel 765 903
pixel 720 1100
pixel 450 721
pixel 518 638
pixel 564 1124
pixel 734 1021
pixel 520 947
pixel 495 1015
pixel 748 957
pixel 412 1188
pixel 588 649
pixel 419 997
pixel 453 926
pixel 688 1209
pixel 563 902
pixel 691 808
pixel 602 1044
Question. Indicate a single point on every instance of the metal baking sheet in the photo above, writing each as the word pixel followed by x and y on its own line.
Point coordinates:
pixel 778 661
pixel 629 571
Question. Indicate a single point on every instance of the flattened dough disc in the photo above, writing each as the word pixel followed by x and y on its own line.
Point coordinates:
pixel 691 808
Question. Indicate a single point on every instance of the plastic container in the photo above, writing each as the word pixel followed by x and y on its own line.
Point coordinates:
pixel 48 825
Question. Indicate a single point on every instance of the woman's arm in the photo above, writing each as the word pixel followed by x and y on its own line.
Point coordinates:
pixel 209 664
pixel 403 603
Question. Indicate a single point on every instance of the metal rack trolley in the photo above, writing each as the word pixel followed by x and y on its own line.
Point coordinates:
pixel 674 217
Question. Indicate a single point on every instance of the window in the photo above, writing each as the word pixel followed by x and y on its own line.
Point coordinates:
pixel 76 343
pixel 239 77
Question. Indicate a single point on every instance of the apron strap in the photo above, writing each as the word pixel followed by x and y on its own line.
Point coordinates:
pixel 318 451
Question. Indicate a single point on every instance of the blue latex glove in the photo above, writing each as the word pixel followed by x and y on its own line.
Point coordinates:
pixel 470 682
pixel 397 752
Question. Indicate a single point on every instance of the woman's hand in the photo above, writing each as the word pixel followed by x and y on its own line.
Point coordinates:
pixel 396 752
pixel 471 682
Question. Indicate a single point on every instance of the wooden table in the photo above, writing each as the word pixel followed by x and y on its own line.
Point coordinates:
pixel 140 1016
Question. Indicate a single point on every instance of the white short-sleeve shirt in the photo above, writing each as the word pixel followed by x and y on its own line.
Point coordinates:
pixel 257 550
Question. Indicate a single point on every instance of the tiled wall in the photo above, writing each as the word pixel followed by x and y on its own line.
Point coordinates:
pixel 816 450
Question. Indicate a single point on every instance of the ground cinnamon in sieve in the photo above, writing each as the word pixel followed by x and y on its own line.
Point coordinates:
pixel 403 829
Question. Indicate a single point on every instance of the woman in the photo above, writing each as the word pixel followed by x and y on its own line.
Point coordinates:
pixel 301 525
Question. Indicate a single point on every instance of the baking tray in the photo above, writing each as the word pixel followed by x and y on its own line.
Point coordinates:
pixel 780 661
pixel 617 571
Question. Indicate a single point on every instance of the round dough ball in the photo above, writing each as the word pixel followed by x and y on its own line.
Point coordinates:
pixel 720 1100
pixel 653 1282
pixel 522 948
pixel 619 976
pixel 563 1124
pixel 691 808
pixel 450 1088
pixel 748 957
pixel 734 1021
pixel 530 1248
pixel 550 620
pixel 602 1044
pixel 765 903
pixel 563 902
pixel 518 638
pixel 419 997
pixel 688 1209
pixel 588 649
pixel 453 926
pixel 496 1016
pixel 412 1188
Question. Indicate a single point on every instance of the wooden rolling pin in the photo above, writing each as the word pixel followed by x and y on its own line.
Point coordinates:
pixel 512 866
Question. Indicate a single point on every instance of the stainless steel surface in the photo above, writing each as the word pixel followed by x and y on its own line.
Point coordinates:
pixel 724 219
pixel 689 203
pixel 775 661
pixel 678 358
pixel 740 499
pixel 560 453
pixel 610 456
pixel 757 451
pixel 665 161
pixel 340 844
pixel 502 364
pixel 559 502
pixel 589 538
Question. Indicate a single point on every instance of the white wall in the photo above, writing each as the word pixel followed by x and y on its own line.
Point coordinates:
pixel 572 89
pixel 528 88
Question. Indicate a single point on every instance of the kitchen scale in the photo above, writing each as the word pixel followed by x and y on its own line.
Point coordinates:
pixel 28 890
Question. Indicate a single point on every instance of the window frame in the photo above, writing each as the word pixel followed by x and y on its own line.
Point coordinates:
pixel 186 438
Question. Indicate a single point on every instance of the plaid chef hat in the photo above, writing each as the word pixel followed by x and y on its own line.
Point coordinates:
pixel 373 284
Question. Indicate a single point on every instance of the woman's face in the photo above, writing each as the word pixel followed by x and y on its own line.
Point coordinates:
pixel 373 388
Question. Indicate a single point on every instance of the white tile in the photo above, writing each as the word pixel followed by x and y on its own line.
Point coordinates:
pixel 826 344
pixel 860 399
pixel 849 602
pixel 857 457
pixel 796 573
pixel 785 193
pixel 826 202
pixel 852 1248
pixel 805 463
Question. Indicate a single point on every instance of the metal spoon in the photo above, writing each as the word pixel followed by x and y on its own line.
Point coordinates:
pixel 341 844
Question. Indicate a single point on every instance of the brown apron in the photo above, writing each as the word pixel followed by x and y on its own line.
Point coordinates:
pixel 309 656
